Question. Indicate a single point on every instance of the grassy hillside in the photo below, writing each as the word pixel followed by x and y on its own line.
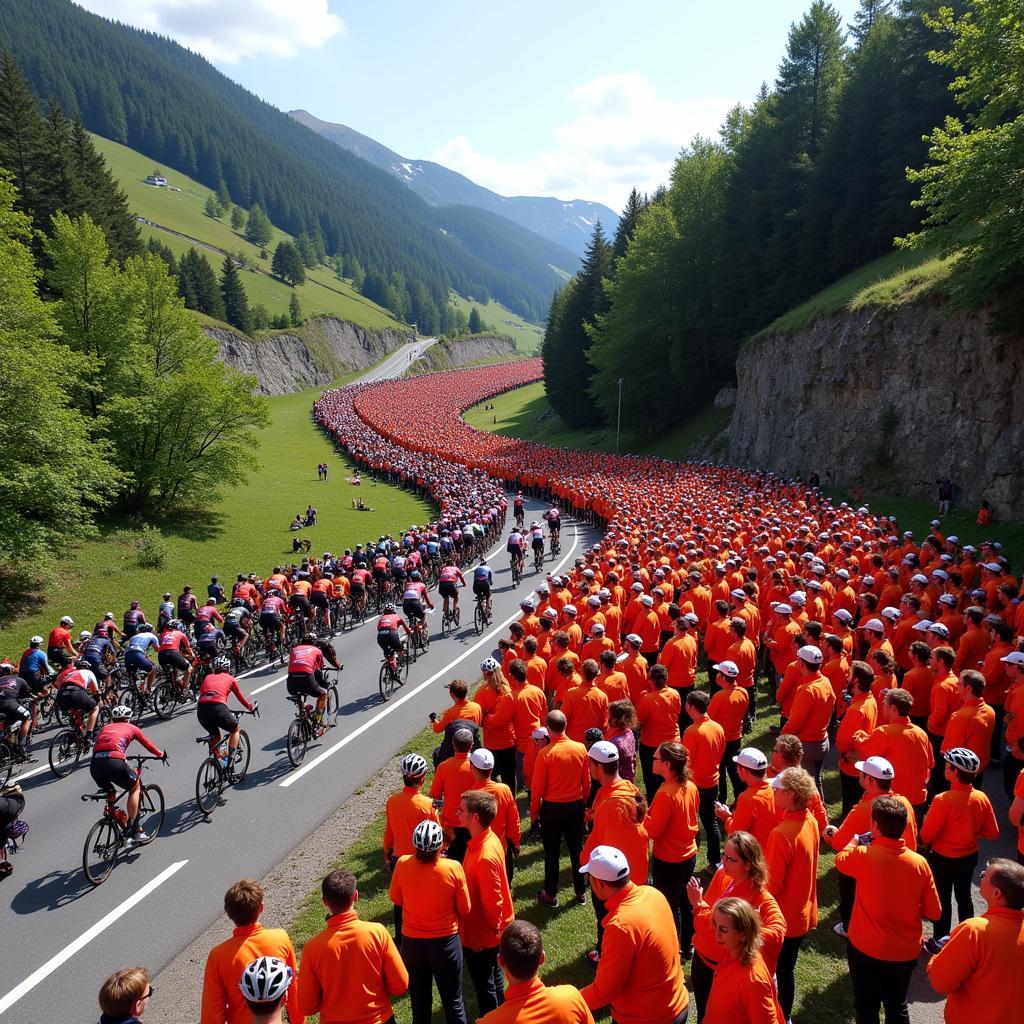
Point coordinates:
pixel 184 211
pixel 502 321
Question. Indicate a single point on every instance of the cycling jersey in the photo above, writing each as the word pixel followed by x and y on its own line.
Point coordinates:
pixel 166 610
pixel 143 641
pixel 218 686
pixel 59 639
pixel 208 635
pixel 432 547
pixel 515 542
pixel 187 604
pixel 450 574
pixel 114 740
pixel 206 613
pixel 33 662
pixel 359 578
pixel 78 677
pixel 388 622
pixel 305 659
pixel 102 628
pixel 279 582
pixel 537 535
pixel 13 688
pixel 98 650
pixel 273 606
pixel 133 618
pixel 302 587
pixel 324 586
pixel 416 591
pixel 380 564
pixel 172 640
pixel 483 574
pixel 235 616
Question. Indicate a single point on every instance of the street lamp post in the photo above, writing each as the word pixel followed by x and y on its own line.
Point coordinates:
pixel 618 422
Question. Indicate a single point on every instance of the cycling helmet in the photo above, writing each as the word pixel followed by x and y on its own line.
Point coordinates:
pixel 66 620
pixel 274 592
pixel 415 576
pixel 389 609
pixel 35 641
pixel 265 980
pixel 6 668
pixel 221 664
pixel 84 635
pixel 483 559
pixel 414 766
pixel 121 713
pixel 964 759
pixel 489 665
pixel 427 836
pixel 176 624
pixel 237 602
pixel 146 627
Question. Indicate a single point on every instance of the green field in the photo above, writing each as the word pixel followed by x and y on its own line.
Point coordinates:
pixel 246 531
pixel 502 321
pixel 184 211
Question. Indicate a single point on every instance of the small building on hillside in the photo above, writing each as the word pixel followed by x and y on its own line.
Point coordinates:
pixel 156 179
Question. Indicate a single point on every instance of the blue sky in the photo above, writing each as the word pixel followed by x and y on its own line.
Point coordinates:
pixel 568 98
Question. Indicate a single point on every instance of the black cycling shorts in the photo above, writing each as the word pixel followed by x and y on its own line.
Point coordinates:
pixel 270 622
pixel 389 641
pixel 99 670
pixel 357 589
pixel 59 657
pixel 108 772
pixel 214 716
pixel 319 599
pixel 306 683
pixel 413 610
pixel 448 589
pixel 13 710
pixel 173 659
pixel 300 603
pixel 74 698
pixel 481 588
pixel 233 629
pixel 538 544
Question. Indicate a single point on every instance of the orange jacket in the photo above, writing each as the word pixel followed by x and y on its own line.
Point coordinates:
pixel 585 707
pixel 223 1002
pixel 403 812
pixel 530 709
pixel 970 651
pixel 615 824
pixel 975 968
pixel 658 716
pixel 744 653
pixel 452 778
pixel 812 710
pixel 858 821
pixel 919 682
pixel 506 825
pixel 464 709
pixel 350 972
pixel 639 973
pixel 705 742
pixel 634 667
pixel 728 708
pixel 909 751
pixel 858 722
pixel 972 726
pixel 945 699
pixel 754 813
pixel 561 774
pixel 743 994
pixel 895 890
pixel 792 856
pixel 672 821
pixel 613 685
pixel 499 711
pixel 491 910
pixel 956 820
pixel 679 656
pixel 433 897
pixel 533 1002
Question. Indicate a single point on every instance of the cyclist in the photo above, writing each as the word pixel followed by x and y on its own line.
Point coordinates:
pixel 76 686
pixel 298 600
pixel 516 548
pixel 109 769
pixel 208 613
pixel 519 508
pixel 136 656
pixel 175 652
pixel 554 520
pixel 164 613
pixel 34 668
pixel 272 614
pixel 382 569
pixel 13 692
pixel 108 627
pixel 187 605
pixel 537 539
pixel 413 598
pixel 321 596
pixel 357 586
pixel 212 709
pixel 210 638
pixel 449 580
pixel 238 623
pixel 388 638
pixel 264 985
pixel 59 648
pixel 483 579
pixel 131 620
pixel 306 670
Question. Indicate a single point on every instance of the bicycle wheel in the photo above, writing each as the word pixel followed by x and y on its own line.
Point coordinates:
pixel 65 752
pixel 297 742
pixel 479 618
pixel 151 813
pixel 425 636
pixel 208 786
pixel 7 755
pixel 333 701
pixel 240 766
pixel 131 698
pixel 100 852
pixel 447 624
pixel 383 682
pixel 402 671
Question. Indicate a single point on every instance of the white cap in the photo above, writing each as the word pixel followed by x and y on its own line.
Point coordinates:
pixel 647 601
pixel 569 609
pixel 889 612
pixel 1014 658
pixel 877 768
pixel 782 609
pixel 540 733
pixel 633 638
pixel 482 758
pixel 922 626
pixel 728 668
pixel 842 574
pixel 607 864
pixel 939 630
pixel 751 757
pixel 594 601
pixel 949 599
pixel 810 654
pixel 953 539
pixel 874 624
pixel 798 597
pixel 935 522
pixel 549 613
pixel 636 586
pixel 691 619
pixel 842 615
pixel 992 566
pixel 597 629
pixel 604 752
pixel 971 548
pixel 941 573
pixel 737 593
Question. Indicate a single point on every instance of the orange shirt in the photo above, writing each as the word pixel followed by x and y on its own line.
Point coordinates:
pixel 919 682
pixel 856 724
pixel 754 813
pixel 744 653
pixel 530 709
pixel 728 708
pixel 561 774
pixel 639 972
pixel 613 685
pixel 585 707
pixel 490 899
pixel 223 1002
pixel 451 779
pixel 792 856
pixel 433 897
pixel 970 651
pixel 859 821
pixel 634 668
pixel 973 969
pixel 506 825
pixel 812 710
pixel 536 671
pixel 462 710
pixel 837 671
pixel 895 890
pixel 717 640
pixel 972 727
pixel 499 711
pixel 672 822
pixel 679 656
pixel 350 972
pixel 786 692
pixel 647 626
pixel 658 716
pixel 956 820
pixel 533 1002
pixel 705 742
pixel 615 824
pixel 743 994
pixel 403 812
pixel 909 751
pixel 1014 713
pixel 945 699
pixel 593 648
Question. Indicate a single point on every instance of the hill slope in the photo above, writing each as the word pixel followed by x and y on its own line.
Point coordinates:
pixel 568 223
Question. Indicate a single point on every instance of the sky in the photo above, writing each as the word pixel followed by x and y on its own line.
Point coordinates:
pixel 580 99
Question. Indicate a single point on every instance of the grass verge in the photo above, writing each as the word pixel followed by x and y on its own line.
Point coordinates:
pixel 503 321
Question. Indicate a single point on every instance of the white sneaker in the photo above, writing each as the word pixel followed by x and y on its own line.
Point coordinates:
pixel 839 929
pixel 140 836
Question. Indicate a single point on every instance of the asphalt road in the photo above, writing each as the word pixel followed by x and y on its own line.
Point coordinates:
pixel 399 361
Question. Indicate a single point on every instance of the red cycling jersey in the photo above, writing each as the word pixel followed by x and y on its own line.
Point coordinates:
pixel 389 622
pixel 381 563
pixel 360 576
pixel 77 677
pixel 206 613
pixel 218 686
pixel 449 574
pixel 305 659
pixel 273 606
pixel 415 590
pixel 172 639
pixel 114 740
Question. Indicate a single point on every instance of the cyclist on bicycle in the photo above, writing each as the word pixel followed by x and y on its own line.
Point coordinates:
pixel 33 667
pixel 212 709
pixel 554 521
pixel 76 687
pixel 449 580
pixel 109 628
pixel 298 600
pixel 132 620
pixel 210 638
pixel 187 605
pixel 413 598
pixel 321 596
pixel 208 613
pixel 136 655
pixel 382 570
pixel 164 613
pixel 13 692
pixel 516 548
pixel 357 586
pixel 272 614
pixel 537 538
pixel 306 670
pixel 99 652
pixel 483 579
pixel 59 648
pixel 175 653
pixel 109 769
pixel 238 623
pixel 519 508
pixel 389 640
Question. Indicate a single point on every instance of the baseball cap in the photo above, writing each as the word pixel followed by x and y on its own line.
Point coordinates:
pixel 737 593
pixel 1014 658
pixel 647 601
pixel 569 609
pixel 597 629
pixel 633 638
pixel 782 609
pixel 992 566
pixel 540 733
pixel 949 599
pixel 939 630
pixel 877 768
pixel 549 613
pixel 810 654
pixel 889 612
pixel 751 757
pixel 691 619
pixel 922 626
pixel 728 668
pixel 604 752
pixel 842 615
pixel 606 863
pixel 482 759
pixel 874 624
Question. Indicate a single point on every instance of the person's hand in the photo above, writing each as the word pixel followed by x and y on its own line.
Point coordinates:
pixel 721 811
pixel 830 831
pixel 694 891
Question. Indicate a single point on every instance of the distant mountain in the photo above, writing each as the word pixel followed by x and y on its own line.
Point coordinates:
pixel 570 224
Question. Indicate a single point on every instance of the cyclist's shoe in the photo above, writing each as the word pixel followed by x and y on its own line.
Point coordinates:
pixel 140 836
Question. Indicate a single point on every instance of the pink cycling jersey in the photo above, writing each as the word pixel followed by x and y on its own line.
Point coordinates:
pixel 218 686
pixel 172 640
pixel 305 659
pixel 114 740
pixel 449 574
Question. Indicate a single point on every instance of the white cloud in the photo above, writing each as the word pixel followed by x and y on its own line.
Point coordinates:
pixel 622 135
pixel 227 31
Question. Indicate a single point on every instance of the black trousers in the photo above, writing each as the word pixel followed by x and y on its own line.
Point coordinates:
pixel 652 782
pixel 847 895
pixel 849 786
pixel 505 768
pixel 599 911
pixel 429 962
pixel 670 879
pixel 457 851
pixel 488 981
pixel 684 718
pixel 728 772
pixel 937 782
pixel 706 813
pixel 784 973
pixel 398 926
pixel 953 876
pixel 701 977
pixel 878 985
pixel 560 821
pixel 996 750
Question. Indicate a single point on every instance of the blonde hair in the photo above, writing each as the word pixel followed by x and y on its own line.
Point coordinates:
pixel 801 785
pixel 751 853
pixel 496 681
pixel 123 989
pixel 746 920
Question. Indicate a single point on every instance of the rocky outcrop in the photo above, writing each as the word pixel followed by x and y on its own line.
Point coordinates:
pixel 472 351
pixel 314 355
pixel 893 398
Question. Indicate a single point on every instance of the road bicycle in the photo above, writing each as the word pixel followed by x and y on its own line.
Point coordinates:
pixel 394 671
pixel 420 638
pixel 220 769
pixel 538 559
pixel 111 834
pixel 11 755
pixel 171 693
pixel 556 545
pixel 517 570
pixel 68 745
pixel 450 619
pixel 136 696
pixel 340 607
pixel 308 725
pixel 481 614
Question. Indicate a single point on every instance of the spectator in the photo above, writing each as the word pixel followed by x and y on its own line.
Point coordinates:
pixel 265 984
pixel 705 741
pixel 451 779
pixel 125 995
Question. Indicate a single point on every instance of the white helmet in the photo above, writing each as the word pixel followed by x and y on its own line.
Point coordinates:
pixel 121 713
pixel 265 980
pixel 489 665
pixel 413 766
pixel 963 758
pixel 427 836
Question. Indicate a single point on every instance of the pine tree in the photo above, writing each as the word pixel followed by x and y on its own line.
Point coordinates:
pixel 635 205
pixel 287 263
pixel 199 286
pixel 260 317
pixel 295 310
pixel 236 303
pixel 223 196
pixel 237 218
pixel 867 14
pixel 257 228
pixel 306 249
pixel 476 325
pixel 212 208
pixel 21 135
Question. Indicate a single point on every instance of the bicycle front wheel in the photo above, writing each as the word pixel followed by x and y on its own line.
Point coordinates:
pixel 296 742
pixel 7 757
pixel 151 813
pixel 65 752
pixel 165 700
pixel 384 682
pixel 208 787
pixel 131 698
pixel 479 618
pixel 100 852
pixel 333 701
pixel 240 766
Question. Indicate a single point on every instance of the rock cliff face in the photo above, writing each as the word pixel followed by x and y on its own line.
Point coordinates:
pixel 894 398
pixel 450 355
pixel 314 355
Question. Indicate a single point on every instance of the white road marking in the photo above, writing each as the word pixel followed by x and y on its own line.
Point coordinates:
pixel 393 705
pixel 28 775
pixel 86 937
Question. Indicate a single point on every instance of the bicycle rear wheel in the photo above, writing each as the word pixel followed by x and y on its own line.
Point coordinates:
pixel 165 700
pixel 100 852
pixel 131 698
pixel 208 787
pixel 384 682
pixel 479 618
pixel 238 768
pixel 333 701
pixel 7 755
pixel 65 753
pixel 297 742
pixel 151 813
